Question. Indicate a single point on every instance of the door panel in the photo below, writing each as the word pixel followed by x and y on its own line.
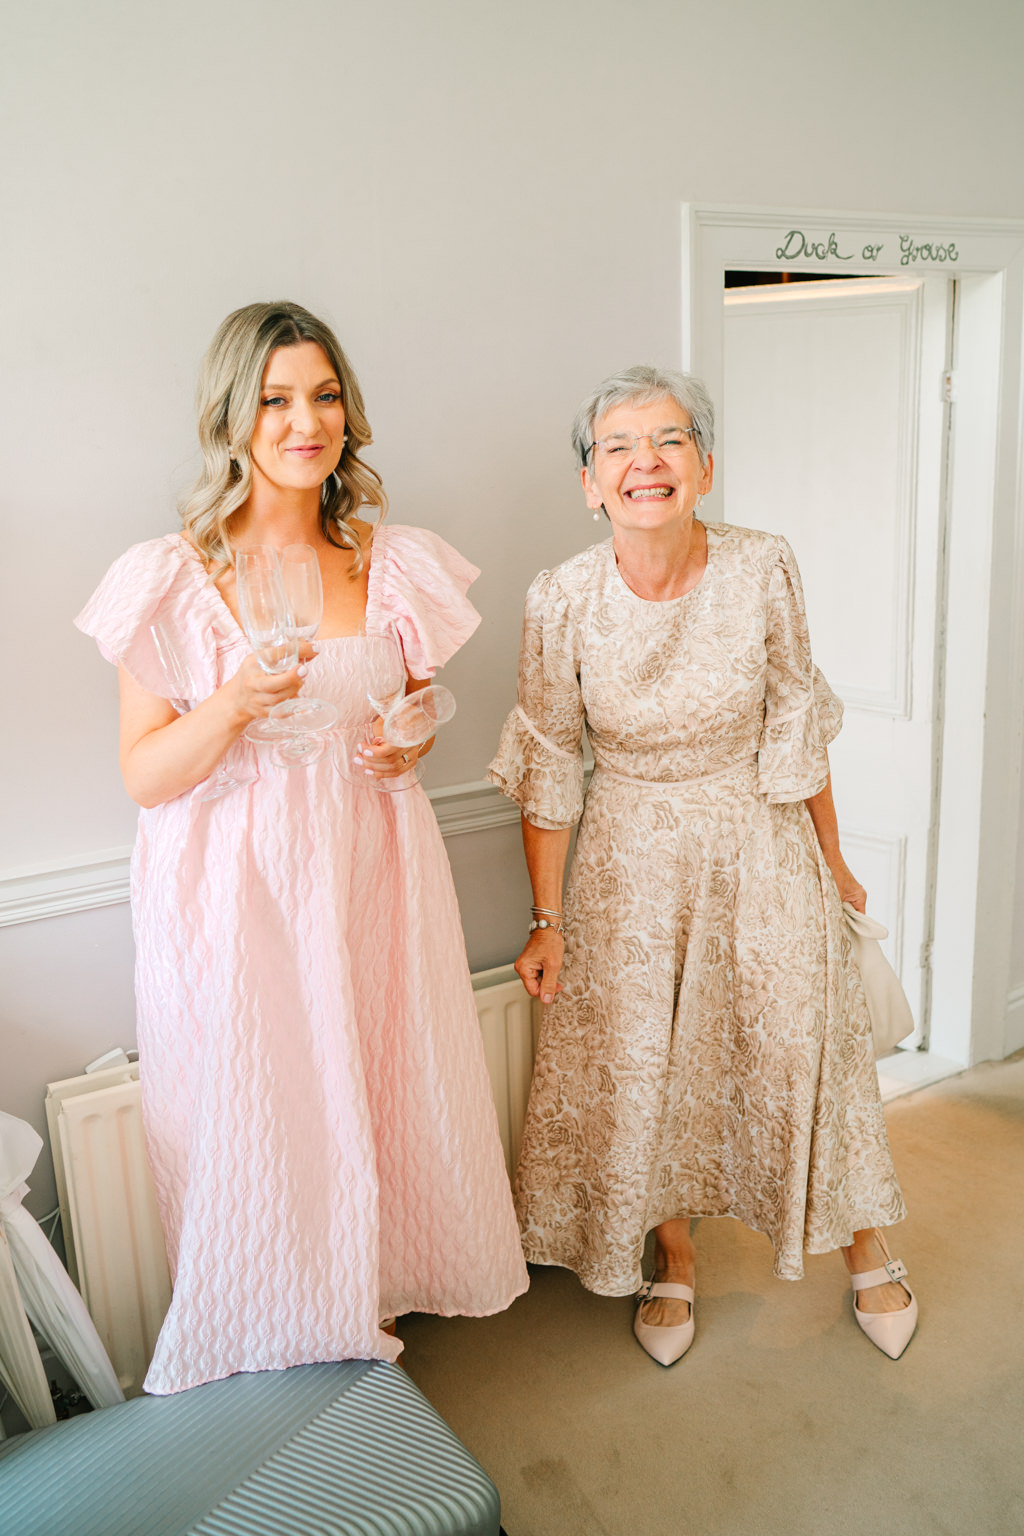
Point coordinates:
pixel 835 433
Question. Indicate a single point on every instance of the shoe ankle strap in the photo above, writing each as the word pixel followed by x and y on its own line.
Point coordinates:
pixel 893 1269
pixel 667 1288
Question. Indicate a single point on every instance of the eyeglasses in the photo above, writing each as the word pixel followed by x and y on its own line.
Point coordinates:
pixel 668 441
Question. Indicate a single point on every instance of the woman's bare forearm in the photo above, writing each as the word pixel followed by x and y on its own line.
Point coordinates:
pixel 545 859
pixel 822 809
pixel 172 757
pixel 162 757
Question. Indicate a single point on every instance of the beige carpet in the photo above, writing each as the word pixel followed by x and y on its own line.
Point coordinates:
pixel 782 1420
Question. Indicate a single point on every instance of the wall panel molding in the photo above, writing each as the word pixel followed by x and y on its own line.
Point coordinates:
pixel 474 807
pixel 50 890
pixel 100 879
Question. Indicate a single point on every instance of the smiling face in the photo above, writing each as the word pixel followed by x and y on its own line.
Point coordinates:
pixel 300 428
pixel 652 487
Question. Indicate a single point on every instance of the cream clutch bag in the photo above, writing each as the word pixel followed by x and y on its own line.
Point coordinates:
pixel 891 1018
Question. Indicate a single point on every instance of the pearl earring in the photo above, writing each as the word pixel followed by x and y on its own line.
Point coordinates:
pixel 597 517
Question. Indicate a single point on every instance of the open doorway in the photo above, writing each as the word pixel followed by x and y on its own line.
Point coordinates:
pixel 978 738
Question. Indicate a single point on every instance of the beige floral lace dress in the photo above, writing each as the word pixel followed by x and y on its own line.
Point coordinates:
pixel 711 1053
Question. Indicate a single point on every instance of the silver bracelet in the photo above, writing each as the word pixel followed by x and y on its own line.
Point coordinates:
pixel 546 912
pixel 542 922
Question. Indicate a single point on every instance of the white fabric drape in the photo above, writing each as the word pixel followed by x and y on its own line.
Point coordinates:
pixel 21 1369
pixel 33 1281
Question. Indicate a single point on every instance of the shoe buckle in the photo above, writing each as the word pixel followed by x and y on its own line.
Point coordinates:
pixel 643 1294
pixel 896 1269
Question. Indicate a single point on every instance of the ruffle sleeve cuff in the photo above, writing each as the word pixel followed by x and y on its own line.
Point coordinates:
pixel 418 585
pixel 539 763
pixel 792 761
pixel 155 583
pixel 544 781
pixel 830 708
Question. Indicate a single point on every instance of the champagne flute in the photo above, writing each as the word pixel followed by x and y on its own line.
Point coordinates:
pixel 384 683
pixel 304 719
pixel 179 679
pixel 385 672
pixel 267 621
pixel 304 593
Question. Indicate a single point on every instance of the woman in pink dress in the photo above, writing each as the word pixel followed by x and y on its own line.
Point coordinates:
pixel 318 1114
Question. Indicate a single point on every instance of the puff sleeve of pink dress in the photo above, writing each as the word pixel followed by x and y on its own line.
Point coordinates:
pixel 318 1114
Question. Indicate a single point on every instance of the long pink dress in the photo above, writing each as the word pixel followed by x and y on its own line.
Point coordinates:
pixel 318 1114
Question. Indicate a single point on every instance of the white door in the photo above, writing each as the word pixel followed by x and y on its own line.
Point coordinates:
pixel 835 434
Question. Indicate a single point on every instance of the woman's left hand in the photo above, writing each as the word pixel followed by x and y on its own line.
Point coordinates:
pixel 385 761
pixel 849 889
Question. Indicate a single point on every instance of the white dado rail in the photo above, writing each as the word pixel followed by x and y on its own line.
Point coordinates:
pixel 100 879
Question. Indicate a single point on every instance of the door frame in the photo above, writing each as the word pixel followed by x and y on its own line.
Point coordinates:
pixel 982 710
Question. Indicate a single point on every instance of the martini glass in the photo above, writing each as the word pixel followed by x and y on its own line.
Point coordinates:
pixel 406 720
pixel 411 722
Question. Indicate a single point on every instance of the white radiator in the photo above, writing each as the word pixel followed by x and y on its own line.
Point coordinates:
pixel 508 1022
pixel 112 1235
pixel 115 1247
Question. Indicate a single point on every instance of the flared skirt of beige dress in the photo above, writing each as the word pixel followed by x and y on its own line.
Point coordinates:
pixel 711 1052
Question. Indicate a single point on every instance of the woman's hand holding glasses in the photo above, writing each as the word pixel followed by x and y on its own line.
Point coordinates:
pixel 280 599
pixel 386 757
pixel 183 694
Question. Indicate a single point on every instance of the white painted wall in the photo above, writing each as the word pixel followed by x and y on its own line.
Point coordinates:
pixel 485 201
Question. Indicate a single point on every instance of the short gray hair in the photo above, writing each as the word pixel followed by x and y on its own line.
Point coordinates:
pixel 639 386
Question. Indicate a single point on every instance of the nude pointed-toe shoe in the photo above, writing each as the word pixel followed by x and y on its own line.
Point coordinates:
pixel 890 1331
pixel 666 1345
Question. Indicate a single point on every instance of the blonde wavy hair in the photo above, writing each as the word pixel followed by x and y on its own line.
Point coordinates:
pixel 228 403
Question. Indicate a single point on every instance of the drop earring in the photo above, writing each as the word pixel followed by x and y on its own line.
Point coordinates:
pixel 597 517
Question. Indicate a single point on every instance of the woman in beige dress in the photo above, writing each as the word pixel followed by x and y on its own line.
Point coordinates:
pixel 706 1050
